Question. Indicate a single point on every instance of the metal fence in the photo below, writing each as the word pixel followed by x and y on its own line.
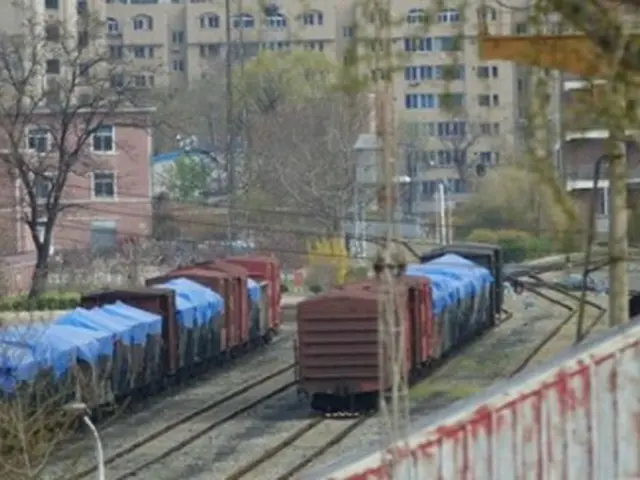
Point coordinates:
pixel 575 418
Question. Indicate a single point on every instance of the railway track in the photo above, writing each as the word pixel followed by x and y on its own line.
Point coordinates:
pixel 316 436
pixel 189 428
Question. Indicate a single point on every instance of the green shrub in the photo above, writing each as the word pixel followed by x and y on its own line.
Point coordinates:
pixel 48 301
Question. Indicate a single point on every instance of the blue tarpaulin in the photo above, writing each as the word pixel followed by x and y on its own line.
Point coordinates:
pixel 152 321
pixel 57 346
pixel 444 291
pixel 17 364
pixel 453 278
pixel 92 320
pixel 478 275
pixel 196 304
pixel 254 290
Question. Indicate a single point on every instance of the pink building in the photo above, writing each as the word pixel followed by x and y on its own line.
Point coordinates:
pixel 106 198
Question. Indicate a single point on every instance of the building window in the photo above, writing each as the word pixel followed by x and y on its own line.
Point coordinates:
pixel 448 15
pixel 53 66
pixel 209 50
pixel 142 22
pixel 116 51
pixel 347 32
pixel 144 80
pixel 450 100
pixel 495 100
pixel 244 20
pixel 38 140
pixel 103 139
pixel 416 15
pixel 450 129
pixel 41 225
pixel 143 51
pixel 484 100
pixel 276 21
pixel 314 46
pixel 177 37
pixel 447 44
pixel 52 32
pixel 117 80
pixel 104 185
pixel 448 72
pixel 51 4
pixel 113 27
pixel 209 20
pixel 313 17
pixel 419 101
pixel 484 71
pixel 103 235
pixel 177 66
pixel 424 44
pixel 42 186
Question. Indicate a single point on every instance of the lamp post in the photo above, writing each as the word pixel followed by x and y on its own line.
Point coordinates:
pixel 80 409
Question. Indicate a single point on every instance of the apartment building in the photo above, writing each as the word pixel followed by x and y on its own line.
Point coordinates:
pixel 189 37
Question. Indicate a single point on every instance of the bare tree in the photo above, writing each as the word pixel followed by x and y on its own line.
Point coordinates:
pixel 305 154
pixel 59 85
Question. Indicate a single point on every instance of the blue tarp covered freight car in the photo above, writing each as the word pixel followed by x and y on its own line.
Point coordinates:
pixel 198 310
pixel 152 323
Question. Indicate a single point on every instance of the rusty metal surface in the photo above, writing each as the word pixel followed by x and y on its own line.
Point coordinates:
pixel 338 341
pixel 577 417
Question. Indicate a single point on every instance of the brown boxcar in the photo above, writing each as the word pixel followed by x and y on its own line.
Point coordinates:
pixel 337 348
pixel 264 269
pixel 420 335
pixel 240 291
pixel 222 285
pixel 156 300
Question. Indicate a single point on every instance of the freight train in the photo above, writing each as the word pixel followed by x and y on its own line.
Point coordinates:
pixel 120 343
pixel 449 298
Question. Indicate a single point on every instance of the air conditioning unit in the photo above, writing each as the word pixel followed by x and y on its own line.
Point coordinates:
pixel 414 84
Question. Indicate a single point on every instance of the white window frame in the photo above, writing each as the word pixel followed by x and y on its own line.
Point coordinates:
pixel 113 26
pixel 276 21
pixel 209 21
pixel 448 15
pixel 113 141
pixel 115 185
pixel 416 15
pixel 142 23
pixel 48 140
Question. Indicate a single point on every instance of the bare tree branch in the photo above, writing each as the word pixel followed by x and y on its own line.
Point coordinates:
pixel 59 85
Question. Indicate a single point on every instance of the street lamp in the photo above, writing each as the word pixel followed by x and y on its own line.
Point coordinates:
pixel 80 409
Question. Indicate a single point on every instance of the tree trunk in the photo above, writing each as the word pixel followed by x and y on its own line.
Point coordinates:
pixel 618 242
pixel 40 272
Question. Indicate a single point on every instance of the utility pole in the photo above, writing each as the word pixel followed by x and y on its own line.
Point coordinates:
pixel 394 404
pixel 230 127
